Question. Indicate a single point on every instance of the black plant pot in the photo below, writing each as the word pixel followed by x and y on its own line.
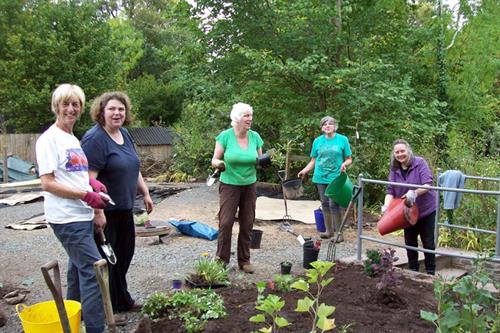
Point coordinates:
pixel 310 254
pixel 286 267
pixel 256 238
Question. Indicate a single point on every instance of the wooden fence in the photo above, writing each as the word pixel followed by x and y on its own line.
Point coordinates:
pixel 21 145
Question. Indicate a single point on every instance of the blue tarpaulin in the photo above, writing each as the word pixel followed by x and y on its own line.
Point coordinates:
pixel 195 229
pixel 19 170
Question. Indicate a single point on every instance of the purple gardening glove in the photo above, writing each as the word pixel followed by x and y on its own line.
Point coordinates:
pixel 94 200
pixel 97 186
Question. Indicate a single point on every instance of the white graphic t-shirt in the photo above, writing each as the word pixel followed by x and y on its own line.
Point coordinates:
pixel 60 153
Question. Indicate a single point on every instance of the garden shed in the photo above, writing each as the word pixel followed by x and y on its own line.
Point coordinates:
pixel 154 142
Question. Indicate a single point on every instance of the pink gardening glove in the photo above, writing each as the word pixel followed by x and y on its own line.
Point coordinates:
pixel 94 200
pixel 97 186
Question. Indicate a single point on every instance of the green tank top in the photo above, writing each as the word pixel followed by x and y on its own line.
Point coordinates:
pixel 240 163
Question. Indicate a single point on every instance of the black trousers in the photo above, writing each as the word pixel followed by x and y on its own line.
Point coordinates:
pixel 120 233
pixel 425 228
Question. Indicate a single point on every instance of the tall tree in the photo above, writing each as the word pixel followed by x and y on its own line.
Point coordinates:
pixel 47 44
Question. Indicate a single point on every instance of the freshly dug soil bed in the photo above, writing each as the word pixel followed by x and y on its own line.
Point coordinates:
pixel 354 295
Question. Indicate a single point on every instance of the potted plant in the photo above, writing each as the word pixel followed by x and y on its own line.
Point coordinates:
pixel 209 273
pixel 286 267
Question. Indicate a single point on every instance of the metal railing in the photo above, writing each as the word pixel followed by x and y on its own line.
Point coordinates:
pixel 361 183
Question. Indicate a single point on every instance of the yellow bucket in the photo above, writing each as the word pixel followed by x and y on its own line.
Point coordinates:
pixel 44 318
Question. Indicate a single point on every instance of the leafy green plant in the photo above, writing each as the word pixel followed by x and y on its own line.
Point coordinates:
pixel 283 283
pixel 211 271
pixel 372 262
pixel 345 328
pixel 310 303
pixel 194 307
pixel 261 287
pixel 155 305
pixel 270 306
pixel 465 305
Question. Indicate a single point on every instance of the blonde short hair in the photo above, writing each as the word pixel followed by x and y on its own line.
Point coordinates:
pixel 63 93
pixel 239 109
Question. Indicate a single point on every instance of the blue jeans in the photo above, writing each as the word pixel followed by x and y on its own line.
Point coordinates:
pixel 329 204
pixel 77 238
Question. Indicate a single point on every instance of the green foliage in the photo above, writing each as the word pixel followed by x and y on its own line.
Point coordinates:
pixel 283 283
pixel 372 262
pixel 194 307
pixel 48 43
pixel 473 70
pixel 211 271
pixel 155 305
pixel 270 307
pixel 193 153
pixel 156 102
pixel 478 211
pixel 371 64
pixel 311 303
pixel 465 305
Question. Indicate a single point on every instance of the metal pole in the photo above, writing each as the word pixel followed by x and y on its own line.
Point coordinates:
pixel 360 216
pixel 438 209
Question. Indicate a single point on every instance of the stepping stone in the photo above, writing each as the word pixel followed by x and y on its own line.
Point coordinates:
pixel 451 273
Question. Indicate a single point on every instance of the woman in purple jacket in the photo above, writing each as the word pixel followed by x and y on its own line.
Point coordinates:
pixel 410 169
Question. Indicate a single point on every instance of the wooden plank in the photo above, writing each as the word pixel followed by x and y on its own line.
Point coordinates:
pixel 26 183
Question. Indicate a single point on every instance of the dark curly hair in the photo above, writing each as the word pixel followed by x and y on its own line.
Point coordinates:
pixel 97 108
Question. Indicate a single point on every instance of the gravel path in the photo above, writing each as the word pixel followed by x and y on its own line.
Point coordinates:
pixel 155 264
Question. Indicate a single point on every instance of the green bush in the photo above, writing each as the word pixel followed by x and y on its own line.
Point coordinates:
pixel 155 305
pixel 465 305
pixel 372 262
pixel 194 307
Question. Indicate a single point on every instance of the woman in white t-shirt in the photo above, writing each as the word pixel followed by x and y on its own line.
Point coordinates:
pixel 69 201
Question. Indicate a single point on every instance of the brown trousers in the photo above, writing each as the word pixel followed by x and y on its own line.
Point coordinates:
pixel 232 197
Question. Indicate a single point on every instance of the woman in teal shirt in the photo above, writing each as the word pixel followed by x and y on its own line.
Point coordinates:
pixel 330 155
pixel 235 154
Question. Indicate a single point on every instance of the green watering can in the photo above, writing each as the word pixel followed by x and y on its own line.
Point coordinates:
pixel 340 190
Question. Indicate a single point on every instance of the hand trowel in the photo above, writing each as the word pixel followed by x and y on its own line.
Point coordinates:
pixel 213 177
pixel 107 249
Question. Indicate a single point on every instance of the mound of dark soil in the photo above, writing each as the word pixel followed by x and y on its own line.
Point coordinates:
pixel 354 295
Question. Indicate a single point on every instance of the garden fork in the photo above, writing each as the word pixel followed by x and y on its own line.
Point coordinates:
pixel 285 224
pixel 331 251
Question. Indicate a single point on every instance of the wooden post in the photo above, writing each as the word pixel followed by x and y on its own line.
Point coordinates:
pixel 5 167
pixel 4 150
pixel 287 160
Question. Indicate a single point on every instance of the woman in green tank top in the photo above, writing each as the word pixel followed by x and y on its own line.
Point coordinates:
pixel 330 155
pixel 235 154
